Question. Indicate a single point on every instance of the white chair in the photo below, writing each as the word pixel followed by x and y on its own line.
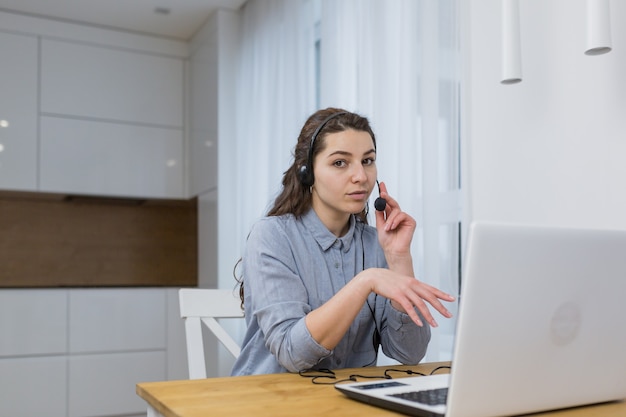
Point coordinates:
pixel 199 306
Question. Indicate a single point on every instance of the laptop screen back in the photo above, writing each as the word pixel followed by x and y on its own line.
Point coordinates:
pixel 540 321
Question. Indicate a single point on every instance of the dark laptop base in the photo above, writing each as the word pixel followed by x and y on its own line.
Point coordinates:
pixel 389 405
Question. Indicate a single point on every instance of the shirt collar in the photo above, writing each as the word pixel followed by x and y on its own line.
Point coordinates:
pixel 323 236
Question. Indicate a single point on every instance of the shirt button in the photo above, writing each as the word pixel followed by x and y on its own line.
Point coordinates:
pixel 336 264
pixel 338 361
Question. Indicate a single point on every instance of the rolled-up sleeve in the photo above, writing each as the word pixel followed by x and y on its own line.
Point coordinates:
pixel 401 338
pixel 299 351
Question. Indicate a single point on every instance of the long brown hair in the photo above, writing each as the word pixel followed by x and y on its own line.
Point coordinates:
pixel 295 197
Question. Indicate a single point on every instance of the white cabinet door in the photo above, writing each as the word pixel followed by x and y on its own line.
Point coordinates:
pixel 104 384
pixel 112 122
pixel 117 339
pixel 203 120
pixel 101 158
pixel 18 112
pixel 33 342
pixel 33 322
pixel 102 83
pixel 126 319
pixel 21 377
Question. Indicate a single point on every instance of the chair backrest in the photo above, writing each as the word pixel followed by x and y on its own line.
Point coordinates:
pixel 199 306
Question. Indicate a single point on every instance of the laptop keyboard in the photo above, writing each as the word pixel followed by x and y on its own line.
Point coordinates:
pixel 428 397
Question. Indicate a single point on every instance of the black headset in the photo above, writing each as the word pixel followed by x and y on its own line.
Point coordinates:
pixel 305 173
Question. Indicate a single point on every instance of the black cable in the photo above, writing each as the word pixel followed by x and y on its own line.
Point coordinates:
pixel 376 338
pixel 353 377
pixel 439 368
pixel 407 371
pixel 317 374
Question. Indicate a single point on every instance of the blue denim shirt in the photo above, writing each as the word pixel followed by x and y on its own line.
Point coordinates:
pixel 292 266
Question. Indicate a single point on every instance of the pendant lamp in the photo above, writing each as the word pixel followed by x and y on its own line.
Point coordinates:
pixel 511 43
pixel 598 27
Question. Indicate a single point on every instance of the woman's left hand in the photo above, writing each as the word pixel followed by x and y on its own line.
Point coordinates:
pixel 395 228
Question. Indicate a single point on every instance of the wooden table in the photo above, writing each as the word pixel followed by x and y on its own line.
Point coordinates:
pixel 292 395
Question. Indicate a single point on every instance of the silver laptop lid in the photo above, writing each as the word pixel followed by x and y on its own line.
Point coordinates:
pixel 541 320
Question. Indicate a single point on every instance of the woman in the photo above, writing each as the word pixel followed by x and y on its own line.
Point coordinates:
pixel 321 288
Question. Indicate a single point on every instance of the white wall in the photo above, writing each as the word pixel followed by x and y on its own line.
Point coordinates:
pixel 550 150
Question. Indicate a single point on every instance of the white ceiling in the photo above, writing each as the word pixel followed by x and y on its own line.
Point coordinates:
pixel 184 19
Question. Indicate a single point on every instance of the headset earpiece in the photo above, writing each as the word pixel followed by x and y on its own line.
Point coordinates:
pixel 305 176
pixel 305 173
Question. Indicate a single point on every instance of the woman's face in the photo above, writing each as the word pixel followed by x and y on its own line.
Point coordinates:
pixel 345 174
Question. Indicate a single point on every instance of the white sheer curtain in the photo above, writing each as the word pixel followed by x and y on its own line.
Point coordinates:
pixel 393 61
pixel 396 62
pixel 275 93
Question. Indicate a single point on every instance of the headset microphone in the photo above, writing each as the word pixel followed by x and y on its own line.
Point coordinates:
pixel 380 203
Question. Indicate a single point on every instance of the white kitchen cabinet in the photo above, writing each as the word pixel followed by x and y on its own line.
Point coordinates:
pixel 104 385
pixel 116 339
pixel 18 112
pixel 33 322
pixel 126 320
pixel 111 122
pixel 86 81
pixel 102 158
pixel 102 342
pixel 203 120
pixel 212 71
pixel 21 378
pixel 90 119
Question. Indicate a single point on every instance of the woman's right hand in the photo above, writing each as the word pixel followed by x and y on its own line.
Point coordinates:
pixel 407 293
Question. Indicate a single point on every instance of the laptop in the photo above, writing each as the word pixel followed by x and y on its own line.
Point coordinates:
pixel 540 327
